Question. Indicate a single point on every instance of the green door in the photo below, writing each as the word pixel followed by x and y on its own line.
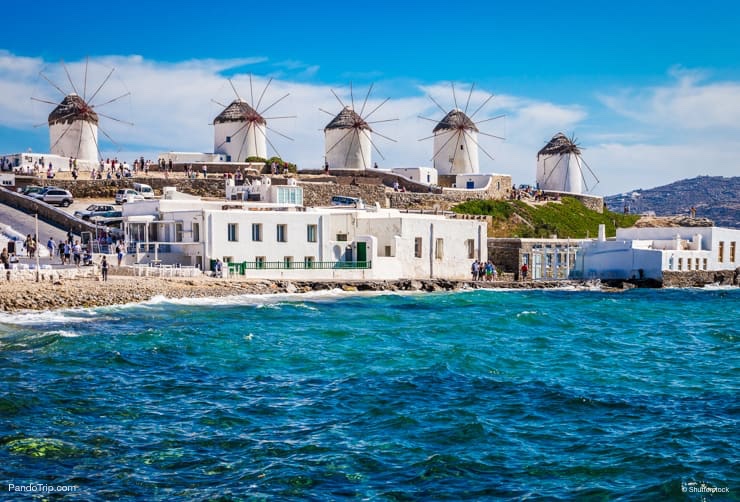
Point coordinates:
pixel 362 251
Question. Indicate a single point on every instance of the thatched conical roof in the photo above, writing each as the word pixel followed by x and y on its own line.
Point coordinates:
pixel 239 111
pixel 71 109
pixel 347 119
pixel 456 119
pixel 559 144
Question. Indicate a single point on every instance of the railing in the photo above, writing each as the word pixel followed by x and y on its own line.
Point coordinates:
pixel 241 268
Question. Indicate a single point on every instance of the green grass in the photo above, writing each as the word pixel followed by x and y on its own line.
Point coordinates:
pixel 567 219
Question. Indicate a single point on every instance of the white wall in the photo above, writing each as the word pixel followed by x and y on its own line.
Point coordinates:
pixel 560 173
pixel 78 139
pixel 426 175
pixel 352 150
pixel 192 157
pixel 246 140
pixel 450 158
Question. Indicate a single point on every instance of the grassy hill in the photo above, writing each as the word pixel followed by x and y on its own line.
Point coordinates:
pixel 566 218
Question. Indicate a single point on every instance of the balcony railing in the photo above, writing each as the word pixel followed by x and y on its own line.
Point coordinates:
pixel 241 267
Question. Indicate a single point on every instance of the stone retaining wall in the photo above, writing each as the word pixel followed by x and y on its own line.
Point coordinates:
pixel 700 278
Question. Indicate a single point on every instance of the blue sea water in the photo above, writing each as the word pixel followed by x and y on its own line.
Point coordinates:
pixel 477 395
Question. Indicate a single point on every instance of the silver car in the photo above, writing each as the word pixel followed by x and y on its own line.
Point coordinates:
pixel 58 196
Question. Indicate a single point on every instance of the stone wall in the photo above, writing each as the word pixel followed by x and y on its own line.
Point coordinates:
pixel 700 278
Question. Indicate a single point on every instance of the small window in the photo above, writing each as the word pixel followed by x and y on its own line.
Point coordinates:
pixel 259 262
pixel 282 233
pixel 680 264
pixel 233 232
pixel 732 251
pixel 287 262
pixel 311 231
pixel 704 264
pixel 178 231
pixel 257 232
pixel 387 251
pixel 721 254
pixel 228 139
pixel 417 247
pixel 470 244
pixel 439 249
pixel 196 232
pixel 342 237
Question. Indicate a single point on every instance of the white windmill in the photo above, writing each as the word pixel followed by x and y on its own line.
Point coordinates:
pixel 348 139
pixel 560 166
pixel 240 130
pixel 74 123
pixel 456 142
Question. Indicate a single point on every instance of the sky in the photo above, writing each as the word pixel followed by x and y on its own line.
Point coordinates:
pixel 650 90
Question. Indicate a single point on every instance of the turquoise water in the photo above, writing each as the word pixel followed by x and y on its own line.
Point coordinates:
pixel 469 395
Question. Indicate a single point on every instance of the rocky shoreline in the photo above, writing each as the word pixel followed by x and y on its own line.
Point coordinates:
pixel 118 290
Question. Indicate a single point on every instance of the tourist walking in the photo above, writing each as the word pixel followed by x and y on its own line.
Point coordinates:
pixel 51 246
pixel 5 261
pixel 104 268
pixel 524 270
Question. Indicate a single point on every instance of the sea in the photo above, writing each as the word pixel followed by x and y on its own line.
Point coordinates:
pixel 468 395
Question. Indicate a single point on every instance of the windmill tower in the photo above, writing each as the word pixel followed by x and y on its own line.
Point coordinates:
pixel 348 140
pixel 240 130
pixel 73 129
pixel 560 166
pixel 456 143
pixel 75 122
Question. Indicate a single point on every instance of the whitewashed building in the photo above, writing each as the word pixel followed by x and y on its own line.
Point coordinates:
pixel 73 130
pixel 456 144
pixel 240 132
pixel 285 240
pixel 423 175
pixel 645 253
pixel 347 142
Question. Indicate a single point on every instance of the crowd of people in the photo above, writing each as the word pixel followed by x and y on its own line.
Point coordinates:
pixel 483 271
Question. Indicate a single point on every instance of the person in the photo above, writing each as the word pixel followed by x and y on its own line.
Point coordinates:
pixel 489 270
pixel 524 270
pixel 67 253
pixel 326 166
pixel 119 253
pixel 51 246
pixel 104 268
pixel 77 253
pixel 219 267
pixel 5 260
pixel 693 212
pixel 205 171
pixel 474 268
pixel 375 166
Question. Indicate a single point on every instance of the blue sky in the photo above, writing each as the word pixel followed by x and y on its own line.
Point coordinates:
pixel 650 89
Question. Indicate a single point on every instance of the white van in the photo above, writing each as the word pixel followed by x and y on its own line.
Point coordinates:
pixel 145 190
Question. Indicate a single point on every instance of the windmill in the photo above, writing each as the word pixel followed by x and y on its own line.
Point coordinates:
pixel 75 121
pixel 240 128
pixel 456 142
pixel 348 139
pixel 560 166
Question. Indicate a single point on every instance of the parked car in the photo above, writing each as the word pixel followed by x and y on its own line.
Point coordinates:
pixel 102 210
pixel 40 193
pixel 125 194
pixel 58 196
pixel 145 190
pixel 30 189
